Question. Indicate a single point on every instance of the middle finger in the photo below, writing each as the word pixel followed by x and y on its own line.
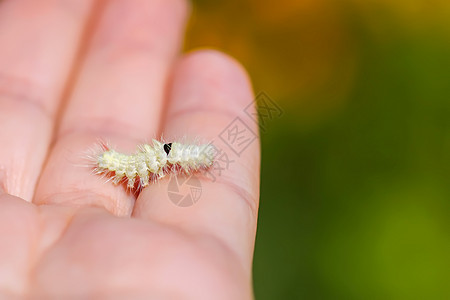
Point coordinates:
pixel 118 98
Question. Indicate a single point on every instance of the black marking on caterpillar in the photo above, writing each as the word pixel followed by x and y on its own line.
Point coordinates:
pixel 167 148
pixel 152 162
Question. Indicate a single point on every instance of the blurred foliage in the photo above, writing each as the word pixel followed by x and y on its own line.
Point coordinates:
pixel 355 175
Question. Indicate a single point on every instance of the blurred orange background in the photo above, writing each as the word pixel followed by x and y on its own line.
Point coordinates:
pixel 355 183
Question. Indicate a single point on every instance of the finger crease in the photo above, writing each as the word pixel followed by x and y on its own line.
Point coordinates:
pixel 241 192
pixel 101 200
pixel 16 90
pixel 104 127
pixel 202 110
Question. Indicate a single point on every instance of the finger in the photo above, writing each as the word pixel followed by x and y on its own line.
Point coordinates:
pixel 209 91
pixel 118 98
pixel 18 233
pixel 39 40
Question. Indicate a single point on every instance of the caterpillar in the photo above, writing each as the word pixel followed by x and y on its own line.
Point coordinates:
pixel 152 162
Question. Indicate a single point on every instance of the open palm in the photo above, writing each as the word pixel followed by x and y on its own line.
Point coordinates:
pixel 76 71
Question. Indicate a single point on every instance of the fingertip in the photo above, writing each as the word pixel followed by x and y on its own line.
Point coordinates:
pixel 216 57
pixel 208 70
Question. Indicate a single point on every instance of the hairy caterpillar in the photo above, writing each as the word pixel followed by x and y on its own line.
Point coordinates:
pixel 152 162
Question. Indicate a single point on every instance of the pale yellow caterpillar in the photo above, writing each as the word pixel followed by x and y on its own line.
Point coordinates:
pixel 152 162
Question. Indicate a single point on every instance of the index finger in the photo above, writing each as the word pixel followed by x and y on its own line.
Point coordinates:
pixel 209 94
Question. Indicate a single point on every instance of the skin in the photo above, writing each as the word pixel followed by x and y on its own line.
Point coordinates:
pixel 74 71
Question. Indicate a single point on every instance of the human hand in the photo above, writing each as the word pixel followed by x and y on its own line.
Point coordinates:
pixel 74 71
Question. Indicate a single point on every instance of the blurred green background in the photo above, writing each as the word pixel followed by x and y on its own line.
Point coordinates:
pixel 355 183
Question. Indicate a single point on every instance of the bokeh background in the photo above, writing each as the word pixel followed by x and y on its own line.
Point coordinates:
pixel 355 183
